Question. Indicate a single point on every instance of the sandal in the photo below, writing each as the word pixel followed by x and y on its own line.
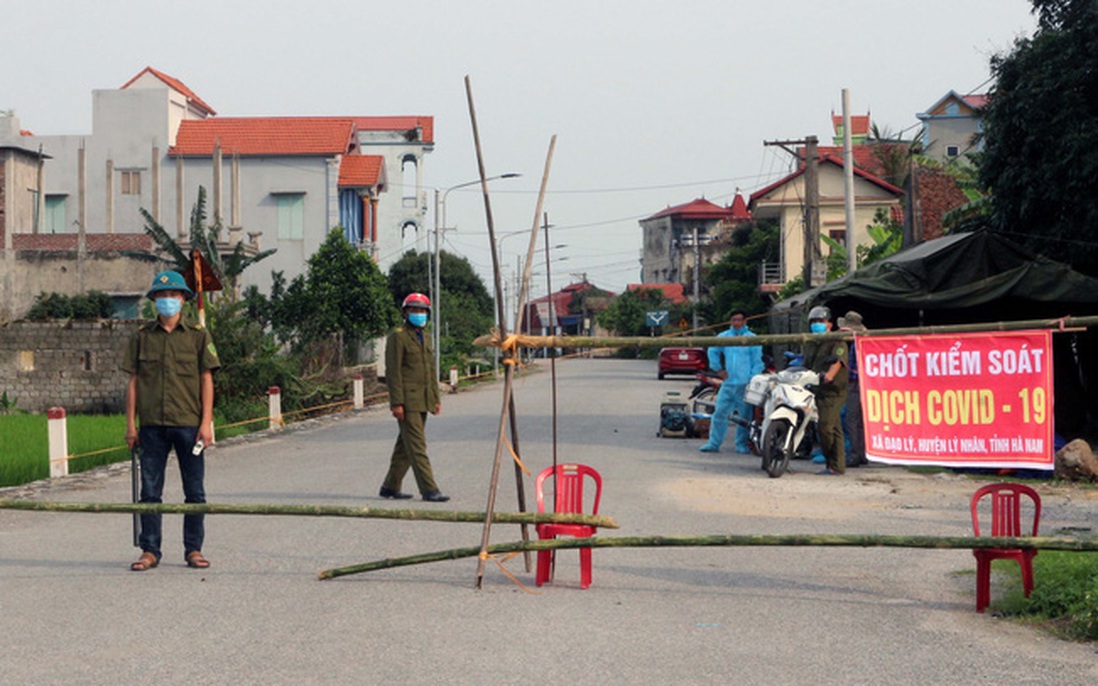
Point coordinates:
pixel 145 562
pixel 196 561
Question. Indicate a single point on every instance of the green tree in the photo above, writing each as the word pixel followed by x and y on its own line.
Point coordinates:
pixel 626 314
pixel 466 306
pixel 343 295
pixel 887 234
pixel 1040 134
pixel 734 279
pixel 250 363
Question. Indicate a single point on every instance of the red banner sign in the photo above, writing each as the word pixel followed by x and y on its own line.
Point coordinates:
pixel 961 400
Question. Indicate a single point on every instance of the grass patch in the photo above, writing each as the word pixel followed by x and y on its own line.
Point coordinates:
pixel 96 440
pixel 1065 594
pixel 25 445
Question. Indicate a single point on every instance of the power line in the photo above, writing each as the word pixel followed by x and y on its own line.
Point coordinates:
pixel 629 189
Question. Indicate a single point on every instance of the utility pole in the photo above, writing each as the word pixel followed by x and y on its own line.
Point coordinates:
pixel 697 276
pixel 848 186
pixel 433 263
pixel 813 271
pixel 812 254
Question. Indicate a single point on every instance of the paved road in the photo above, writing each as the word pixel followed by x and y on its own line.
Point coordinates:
pixel 71 612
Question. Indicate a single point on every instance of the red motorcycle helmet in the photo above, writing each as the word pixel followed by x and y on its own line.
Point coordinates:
pixel 416 300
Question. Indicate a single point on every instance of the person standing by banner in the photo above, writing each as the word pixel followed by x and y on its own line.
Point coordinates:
pixel 412 382
pixel 829 359
pixel 852 321
pixel 736 364
pixel 171 393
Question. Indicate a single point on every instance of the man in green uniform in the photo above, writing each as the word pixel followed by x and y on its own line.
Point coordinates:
pixel 829 359
pixel 171 394
pixel 413 392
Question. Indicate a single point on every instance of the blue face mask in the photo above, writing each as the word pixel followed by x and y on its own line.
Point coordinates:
pixel 418 319
pixel 817 327
pixel 169 307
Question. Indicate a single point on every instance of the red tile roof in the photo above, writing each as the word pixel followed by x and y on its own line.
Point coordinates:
pixel 359 171
pixel 174 84
pixel 671 291
pixel 398 124
pixel 739 208
pixel 977 101
pixel 827 159
pixel 260 136
pixel 696 209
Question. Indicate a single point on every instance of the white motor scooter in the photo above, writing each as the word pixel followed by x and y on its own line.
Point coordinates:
pixel 789 407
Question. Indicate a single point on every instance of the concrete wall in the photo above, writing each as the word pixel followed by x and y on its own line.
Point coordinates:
pixel 50 263
pixel 19 184
pixel 943 132
pixel 658 263
pixel 71 364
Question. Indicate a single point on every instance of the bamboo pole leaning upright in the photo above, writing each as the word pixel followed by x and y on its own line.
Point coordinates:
pixel 511 354
pixel 508 365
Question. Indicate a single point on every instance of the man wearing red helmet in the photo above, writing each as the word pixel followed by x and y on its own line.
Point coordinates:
pixel 412 380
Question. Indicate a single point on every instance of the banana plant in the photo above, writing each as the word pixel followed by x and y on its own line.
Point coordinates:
pixel 204 239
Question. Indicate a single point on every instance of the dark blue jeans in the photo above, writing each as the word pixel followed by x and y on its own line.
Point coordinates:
pixel 156 442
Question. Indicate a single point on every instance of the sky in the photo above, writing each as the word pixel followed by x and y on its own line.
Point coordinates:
pixel 653 103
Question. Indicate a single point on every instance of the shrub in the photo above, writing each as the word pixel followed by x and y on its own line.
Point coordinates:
pixel 1065 595
pixel 90 305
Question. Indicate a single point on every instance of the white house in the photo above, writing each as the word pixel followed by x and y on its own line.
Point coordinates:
pixel 274 182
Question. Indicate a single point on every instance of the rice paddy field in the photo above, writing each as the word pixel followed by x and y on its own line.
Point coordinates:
pixel 94 440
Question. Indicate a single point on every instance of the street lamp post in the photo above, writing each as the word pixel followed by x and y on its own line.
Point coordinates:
pixel 436 284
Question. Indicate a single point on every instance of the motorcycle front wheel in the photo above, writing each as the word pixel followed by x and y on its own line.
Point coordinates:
pixel 775 458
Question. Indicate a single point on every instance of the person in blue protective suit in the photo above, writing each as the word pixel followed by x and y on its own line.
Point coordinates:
pixel 735 365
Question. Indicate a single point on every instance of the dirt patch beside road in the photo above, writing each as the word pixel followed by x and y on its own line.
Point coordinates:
pixel 853 496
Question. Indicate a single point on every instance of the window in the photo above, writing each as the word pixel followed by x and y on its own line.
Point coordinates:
pixel 55 214
pixel 291 216
pixel 131 183
pixel 409 180
pixel 837 235
pixel 952 151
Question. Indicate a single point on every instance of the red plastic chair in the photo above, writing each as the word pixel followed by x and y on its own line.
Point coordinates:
pixel 1006 520
pixel 569 498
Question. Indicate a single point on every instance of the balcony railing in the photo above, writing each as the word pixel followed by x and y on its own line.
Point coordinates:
pixel 771 278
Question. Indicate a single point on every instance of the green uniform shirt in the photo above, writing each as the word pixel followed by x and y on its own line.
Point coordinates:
pixel 410 370
pixel 169 370
pixel 820 356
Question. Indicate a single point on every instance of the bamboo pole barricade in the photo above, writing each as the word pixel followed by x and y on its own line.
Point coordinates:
pixel 743 540
pixel 497 339
pixel 524 518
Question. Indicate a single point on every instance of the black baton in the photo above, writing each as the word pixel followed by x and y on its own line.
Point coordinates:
pixel 135 479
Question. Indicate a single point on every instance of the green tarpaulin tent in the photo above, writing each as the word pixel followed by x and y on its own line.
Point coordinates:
pixel 967 278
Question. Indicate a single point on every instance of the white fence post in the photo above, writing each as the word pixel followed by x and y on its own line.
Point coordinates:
pixel 454 379
pixel 358 391
pixel 57 429
pixel 274 414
